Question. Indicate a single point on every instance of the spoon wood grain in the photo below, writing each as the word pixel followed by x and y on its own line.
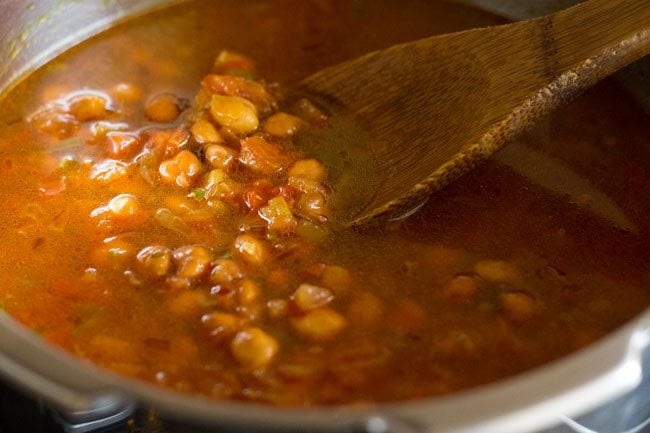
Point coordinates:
pixel 432 109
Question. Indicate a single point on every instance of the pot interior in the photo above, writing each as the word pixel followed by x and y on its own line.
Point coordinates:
pixel 39 39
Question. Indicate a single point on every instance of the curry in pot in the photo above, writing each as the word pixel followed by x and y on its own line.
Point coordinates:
pixel 162 219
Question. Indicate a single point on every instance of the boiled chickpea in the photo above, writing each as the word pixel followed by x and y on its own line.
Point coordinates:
pixel 254 348
pixel 88 107
pixel 309 297
pixel 235 113
pixel 461 287
pixel 249 292
pixel 365 310
pixel 181 170
pixel 115 254
pixel 155 260
pixel 193 261
pixel 219 156
pixel 519 307
pixel 251 250
pixel 497 271
pixel 162 108
pixel 179 284
pixel 126 92
pixel 282 125
pixel 222 325
pixel 308 169
pixel 205 132
pixel 218 185
pixel 124 205
pixel 456 344
pixel 108 171
pixel 336 278
pixel 277 308
pixel 305 185
pixel 319 325
pixel 313 206
pixel 225 271
pixel 188 303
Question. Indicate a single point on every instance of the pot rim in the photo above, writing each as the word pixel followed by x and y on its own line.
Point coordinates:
pixel 531 400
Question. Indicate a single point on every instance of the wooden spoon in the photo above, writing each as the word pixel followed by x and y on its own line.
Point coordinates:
pixel 432 109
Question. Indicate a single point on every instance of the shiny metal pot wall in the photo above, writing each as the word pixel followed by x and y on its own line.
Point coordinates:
pixel 31 34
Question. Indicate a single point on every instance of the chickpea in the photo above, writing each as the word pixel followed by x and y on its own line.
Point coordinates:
pixel 252 312
pixel 251 250
pixel 309 297
pixel 308 111
pixel 319 325
pixel 249 292
pixel 107 171
pixel 279 278
pixel 219 156
pixel 125 92
pixel 228 60
pixel 461 287
pixel 162 108
pixel 277 308
pixel 235 113
pixel 188 303
pixel 519 307
pixel 88 107
pixel 442 258
pixel 282 125
pixel 218 185
pixel 456 344
pixel 219 208
pixel 365 310
pixel 179 284
pixel 254 348
pixel 54 122
pixel 313 206
pixel 155 260
pixel 408 316
pixel 308 169
pixel 115 254
pixel 222 325
pixel 336 278
pixel 225 271
pixel 193 261
pixel 124 205
pixel 305 185
pixel 205 132
pixel 180 170
pixel 496 271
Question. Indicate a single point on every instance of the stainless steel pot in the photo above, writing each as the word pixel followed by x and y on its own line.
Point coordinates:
pixel 33 33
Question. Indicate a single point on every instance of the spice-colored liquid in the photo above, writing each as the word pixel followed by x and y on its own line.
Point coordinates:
pixel 552 232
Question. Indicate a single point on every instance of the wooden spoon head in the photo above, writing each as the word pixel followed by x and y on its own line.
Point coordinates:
pixel 416 109
pixel 432 109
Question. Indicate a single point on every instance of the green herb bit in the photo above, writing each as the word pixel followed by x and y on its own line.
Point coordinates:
pixel 198 194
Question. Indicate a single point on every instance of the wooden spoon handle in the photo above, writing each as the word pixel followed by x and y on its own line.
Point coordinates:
pixel 564 53
pixel 615 28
